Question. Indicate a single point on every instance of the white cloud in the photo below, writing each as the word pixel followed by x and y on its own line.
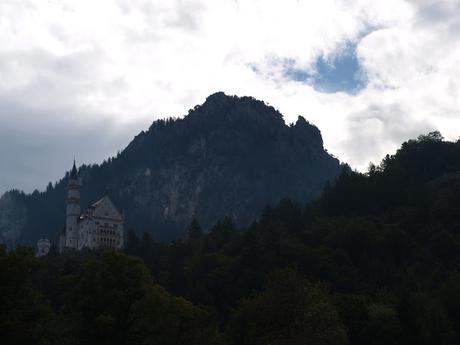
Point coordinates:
pixel 107 64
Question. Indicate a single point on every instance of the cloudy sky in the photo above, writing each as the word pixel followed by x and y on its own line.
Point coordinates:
pixel 83 77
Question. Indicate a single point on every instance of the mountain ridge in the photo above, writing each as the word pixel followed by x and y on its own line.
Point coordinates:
pixel 229 156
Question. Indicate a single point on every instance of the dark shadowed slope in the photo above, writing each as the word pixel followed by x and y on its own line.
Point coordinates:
pixel 228 157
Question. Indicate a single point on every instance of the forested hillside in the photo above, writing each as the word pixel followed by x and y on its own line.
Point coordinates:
pixel 228 157
pixel 375 260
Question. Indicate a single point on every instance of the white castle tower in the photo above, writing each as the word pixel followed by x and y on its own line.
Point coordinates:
pixel 73 209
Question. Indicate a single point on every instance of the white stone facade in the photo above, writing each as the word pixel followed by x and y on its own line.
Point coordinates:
pixel 100 226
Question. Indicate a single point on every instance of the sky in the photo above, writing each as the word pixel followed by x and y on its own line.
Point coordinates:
pixel 82 78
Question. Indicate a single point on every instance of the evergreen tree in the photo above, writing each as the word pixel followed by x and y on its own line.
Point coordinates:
pixel 194 231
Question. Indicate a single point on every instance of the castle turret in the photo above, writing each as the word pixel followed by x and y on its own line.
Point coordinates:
pixel 43 246
pixel 73 209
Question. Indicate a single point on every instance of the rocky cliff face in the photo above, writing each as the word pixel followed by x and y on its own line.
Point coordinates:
pixel 230 156
pixel 13 218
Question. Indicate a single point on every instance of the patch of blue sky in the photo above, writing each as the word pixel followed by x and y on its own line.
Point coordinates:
pixel 339 73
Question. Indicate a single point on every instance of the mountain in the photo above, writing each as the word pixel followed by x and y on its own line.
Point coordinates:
pixel 230 156
pixel 383 246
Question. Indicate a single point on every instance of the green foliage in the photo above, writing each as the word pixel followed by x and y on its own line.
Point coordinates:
pixel 288 312
pixel 111 300
pixel 25 317
pixel 386 243
pixel 98 298
pixel 375 260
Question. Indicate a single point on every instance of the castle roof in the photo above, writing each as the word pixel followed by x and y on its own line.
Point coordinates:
pixel 103 208
pixel 74 173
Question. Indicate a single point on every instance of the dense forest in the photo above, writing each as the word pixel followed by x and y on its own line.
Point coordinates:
pixel 375 260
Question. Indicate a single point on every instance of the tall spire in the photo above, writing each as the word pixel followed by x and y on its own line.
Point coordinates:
pixel 74 173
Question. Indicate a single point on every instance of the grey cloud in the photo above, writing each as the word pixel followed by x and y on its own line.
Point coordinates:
pixel 37 147
pixel 65 84
pixel 46 117
pixel 147 7
pixel 444 14
pixel 40 73
pixel 54 105
pixel 184 15
pixel 187 15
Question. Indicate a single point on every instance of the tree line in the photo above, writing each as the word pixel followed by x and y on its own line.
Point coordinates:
pixel 375 260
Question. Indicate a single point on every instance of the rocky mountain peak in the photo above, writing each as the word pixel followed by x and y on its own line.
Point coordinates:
pixel 226 109
pixel 230 156
pixel 305 131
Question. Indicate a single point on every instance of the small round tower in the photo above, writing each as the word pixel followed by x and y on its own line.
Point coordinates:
pixel 43 246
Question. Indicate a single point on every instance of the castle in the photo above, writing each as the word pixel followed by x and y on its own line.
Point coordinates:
pixel 100 226
pixel 43 246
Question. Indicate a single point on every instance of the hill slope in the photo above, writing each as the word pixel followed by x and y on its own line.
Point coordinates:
pixel 228 157
pixel 384 245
